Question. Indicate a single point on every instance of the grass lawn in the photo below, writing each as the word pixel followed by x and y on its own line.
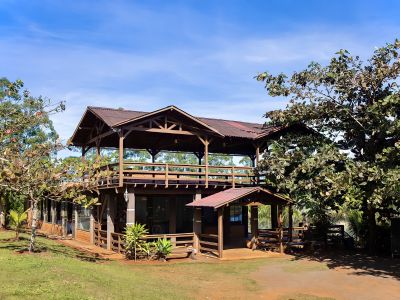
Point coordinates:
pixel 60 272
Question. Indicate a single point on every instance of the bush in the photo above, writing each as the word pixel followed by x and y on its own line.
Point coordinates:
pixel 134 240
pixel 163 248
pixel 17 220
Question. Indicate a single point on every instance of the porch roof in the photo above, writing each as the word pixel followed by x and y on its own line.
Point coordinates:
pixel 250 194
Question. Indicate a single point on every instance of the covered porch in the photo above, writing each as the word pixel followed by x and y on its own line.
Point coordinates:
pixel 229 220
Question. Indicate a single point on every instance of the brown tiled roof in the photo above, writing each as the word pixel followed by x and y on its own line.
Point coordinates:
pixel 228 128
pixel 233 194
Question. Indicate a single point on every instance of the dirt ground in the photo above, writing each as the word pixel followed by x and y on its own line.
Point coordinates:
pixel 315 276
pixel 309 279
pixel 344 276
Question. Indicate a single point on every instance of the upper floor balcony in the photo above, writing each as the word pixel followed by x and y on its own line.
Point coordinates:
pixel 172 129
pixel 176 175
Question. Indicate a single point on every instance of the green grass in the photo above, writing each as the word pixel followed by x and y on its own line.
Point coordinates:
pixel 60 272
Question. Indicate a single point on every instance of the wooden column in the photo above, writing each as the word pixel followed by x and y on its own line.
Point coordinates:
pixel 197 224
pixel 64 218
pixel 91 225
pixel 257 158
pixel 280 226
pixel 254 223
pixel 220 231
pixel 274 216
pixel 172 215
pixel 98 151
pixel 130 210
pixel 76 219
pixel 121 159
pixel 45 210
pixel 83 153
pixel 110 220
pixel 53 212
pixel 290 222
pixel 206 160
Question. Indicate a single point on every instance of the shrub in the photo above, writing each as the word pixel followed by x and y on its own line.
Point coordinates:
pixel 17 219
pixel 163 248
pixel 134 241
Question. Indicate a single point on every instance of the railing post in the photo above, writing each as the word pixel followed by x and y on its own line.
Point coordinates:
pixel 166 175
pixel 119 243
pixel 121 158
pixel 91 226
pixel 108 175
pixel 206 160
pixel 220 231
pixel 233 176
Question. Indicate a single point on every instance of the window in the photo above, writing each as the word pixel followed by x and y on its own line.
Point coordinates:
pixel 235 214
pixel 83 218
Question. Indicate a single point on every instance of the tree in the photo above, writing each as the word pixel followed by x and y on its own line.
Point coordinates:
pixel 356 105
pixel 29 144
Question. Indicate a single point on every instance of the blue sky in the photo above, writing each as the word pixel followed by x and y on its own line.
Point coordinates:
pixel 199 55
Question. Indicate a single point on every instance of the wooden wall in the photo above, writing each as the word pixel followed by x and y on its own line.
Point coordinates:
pixel 82 235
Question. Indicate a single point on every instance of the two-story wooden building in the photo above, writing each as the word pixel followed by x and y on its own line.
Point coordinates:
pixel 201 205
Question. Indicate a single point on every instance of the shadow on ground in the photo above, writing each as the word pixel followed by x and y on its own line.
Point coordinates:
pixel 21 246
pixel 360 263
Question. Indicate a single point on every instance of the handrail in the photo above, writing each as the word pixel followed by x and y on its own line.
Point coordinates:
pixel 166 174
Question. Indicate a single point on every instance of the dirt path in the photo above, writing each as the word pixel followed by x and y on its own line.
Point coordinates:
pixel 304 279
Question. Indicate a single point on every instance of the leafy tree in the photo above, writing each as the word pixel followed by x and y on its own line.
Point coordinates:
pixel 29 165
pixel 356 105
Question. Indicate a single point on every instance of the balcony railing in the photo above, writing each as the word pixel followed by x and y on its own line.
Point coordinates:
pixel 167 175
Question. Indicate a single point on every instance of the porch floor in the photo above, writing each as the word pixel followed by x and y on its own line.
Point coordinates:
pixel 246 253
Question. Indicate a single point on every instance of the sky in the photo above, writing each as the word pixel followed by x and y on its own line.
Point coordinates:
pixel 201 56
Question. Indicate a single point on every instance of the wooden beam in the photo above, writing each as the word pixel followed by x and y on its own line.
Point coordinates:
pixel 220 231
pixel 159 130
pixel 101 136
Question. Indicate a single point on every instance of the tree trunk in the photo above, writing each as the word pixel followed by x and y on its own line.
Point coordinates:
pixel 371 230
pixel 34 224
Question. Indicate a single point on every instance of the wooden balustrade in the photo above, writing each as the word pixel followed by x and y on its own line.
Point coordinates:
pixel 118 242
pixel 165 174
pixel 100 236
pixel 178 240
pixel 209 244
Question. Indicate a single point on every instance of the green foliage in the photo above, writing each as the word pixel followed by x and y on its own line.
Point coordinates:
pixel 29 167
pixel 163 248
pixel 355 224
pixel 356 105
pixel 17 220
pixel 134 240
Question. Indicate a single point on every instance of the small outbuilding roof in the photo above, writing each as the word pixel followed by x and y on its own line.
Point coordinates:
pixel 256 194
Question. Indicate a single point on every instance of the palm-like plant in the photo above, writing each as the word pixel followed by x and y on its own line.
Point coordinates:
pixel 134 239
pixel 163 248
pixel 17 219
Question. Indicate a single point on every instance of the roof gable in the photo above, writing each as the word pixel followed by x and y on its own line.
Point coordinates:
pixel 233 194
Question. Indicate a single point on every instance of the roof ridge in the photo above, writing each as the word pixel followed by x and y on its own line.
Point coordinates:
pixel 115 109
pixel 197 117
